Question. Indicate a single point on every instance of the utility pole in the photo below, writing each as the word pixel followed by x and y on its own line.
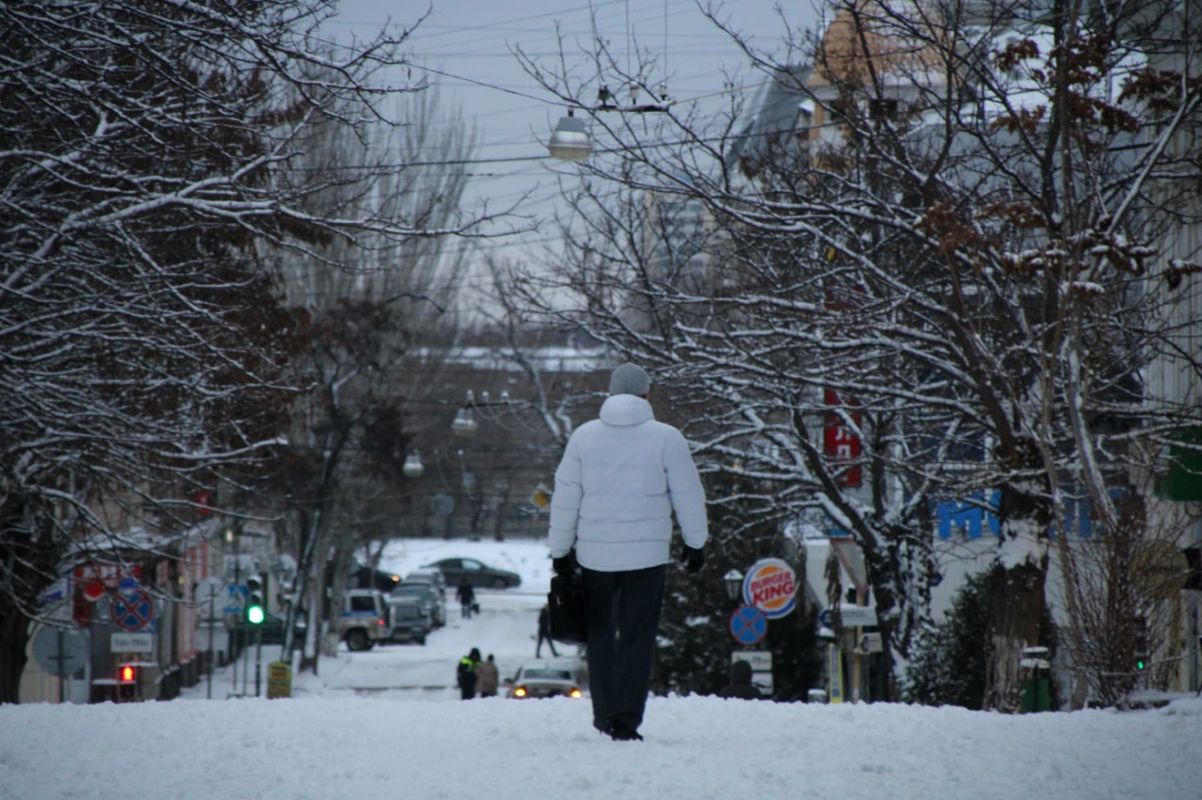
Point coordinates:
pixel 212 623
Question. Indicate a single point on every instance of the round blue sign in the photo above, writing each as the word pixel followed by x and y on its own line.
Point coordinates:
pixel 748 625
pixel 132 610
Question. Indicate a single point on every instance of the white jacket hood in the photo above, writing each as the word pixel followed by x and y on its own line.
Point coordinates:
pixel 621 479
pixel 625 409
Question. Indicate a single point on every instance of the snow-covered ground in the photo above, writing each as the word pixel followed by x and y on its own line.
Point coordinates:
pixel 387 723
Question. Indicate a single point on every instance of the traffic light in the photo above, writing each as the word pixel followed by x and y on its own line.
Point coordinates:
pixel 1141 644
pixel 127 683
pixel 255 613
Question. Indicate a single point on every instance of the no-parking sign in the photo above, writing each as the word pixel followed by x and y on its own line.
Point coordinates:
pixel 132 610
pixel 748 625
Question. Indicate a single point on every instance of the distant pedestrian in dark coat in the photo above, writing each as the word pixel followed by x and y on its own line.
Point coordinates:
pixel 466 675
pixel 467 598
pixel 487 678
pixel 544 633
pixel 740 685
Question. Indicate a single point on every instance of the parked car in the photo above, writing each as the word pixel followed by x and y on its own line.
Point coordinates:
pixel 543 679
pixel 363 619
pixel 432 576
pixel 478 574
pixel 409 621
pixel 427 596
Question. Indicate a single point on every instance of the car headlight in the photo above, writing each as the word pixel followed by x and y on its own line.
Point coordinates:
pixel 519 691
pixel 575 692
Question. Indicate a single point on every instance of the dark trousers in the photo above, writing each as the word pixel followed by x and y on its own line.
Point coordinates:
pixel 622 609
pixel 544 637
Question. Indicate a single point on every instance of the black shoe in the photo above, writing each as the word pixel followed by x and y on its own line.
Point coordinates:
pixel 602 727
pixel 621 732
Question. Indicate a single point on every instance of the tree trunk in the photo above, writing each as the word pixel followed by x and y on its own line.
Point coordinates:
pixel 14 636
pixel 341 564
pixel 1016 606
pixel 1016 594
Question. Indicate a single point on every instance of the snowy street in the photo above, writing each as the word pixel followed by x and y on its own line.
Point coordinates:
pixel 388 722
pixel 506 627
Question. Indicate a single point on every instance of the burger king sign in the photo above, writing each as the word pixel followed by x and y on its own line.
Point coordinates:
pixel 771 586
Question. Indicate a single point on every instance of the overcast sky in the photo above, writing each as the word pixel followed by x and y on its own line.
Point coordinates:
pixel 471 43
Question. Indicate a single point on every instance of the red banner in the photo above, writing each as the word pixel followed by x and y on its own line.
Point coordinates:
pixel 841 442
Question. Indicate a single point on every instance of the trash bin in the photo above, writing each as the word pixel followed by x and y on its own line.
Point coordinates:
pixel 1037 688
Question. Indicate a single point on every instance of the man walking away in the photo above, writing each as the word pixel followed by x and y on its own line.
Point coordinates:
pixel 467 598
pixel 465 674
pixel 544 633
pixel 621 478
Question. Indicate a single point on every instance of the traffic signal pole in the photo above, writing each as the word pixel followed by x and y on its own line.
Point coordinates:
pixel 258 657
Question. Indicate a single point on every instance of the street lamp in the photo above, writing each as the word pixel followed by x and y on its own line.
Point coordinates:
pixel 734 584
pixel 464 423
pixel 413 466
pixel 571 142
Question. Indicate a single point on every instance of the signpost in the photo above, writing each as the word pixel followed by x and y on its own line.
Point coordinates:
pixel 834 667
pixel 61 652
pixel 206 592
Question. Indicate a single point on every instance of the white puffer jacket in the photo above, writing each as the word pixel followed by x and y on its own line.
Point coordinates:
pixel 620 479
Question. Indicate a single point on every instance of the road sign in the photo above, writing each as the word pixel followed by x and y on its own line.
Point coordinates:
pixel 132 610
pixel 235 598
pixel 852 616
pixel 60 651
pixel 748 625
pixel 760 660
pixel 131 643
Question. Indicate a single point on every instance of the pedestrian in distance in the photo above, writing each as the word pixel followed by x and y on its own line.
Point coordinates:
pixel 740 685
pixel 466 674
pixel 620 480
pixel 467 598
pixel 487 677
pixel 544 633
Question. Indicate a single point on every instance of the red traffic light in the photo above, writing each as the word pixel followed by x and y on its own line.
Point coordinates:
pixel 127 673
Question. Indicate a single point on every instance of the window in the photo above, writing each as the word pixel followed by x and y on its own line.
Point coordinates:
pixel 363 602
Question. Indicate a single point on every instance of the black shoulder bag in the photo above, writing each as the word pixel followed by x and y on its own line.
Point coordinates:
pixel 565 609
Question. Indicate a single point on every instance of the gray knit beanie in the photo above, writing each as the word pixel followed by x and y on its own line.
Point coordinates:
pixel 629 379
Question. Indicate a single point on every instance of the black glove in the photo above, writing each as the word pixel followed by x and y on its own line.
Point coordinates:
pixel 563 565
pixel 694 559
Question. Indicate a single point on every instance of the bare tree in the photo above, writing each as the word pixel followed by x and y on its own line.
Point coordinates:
pixel 955 259
pixel 146 149
pixel 371 319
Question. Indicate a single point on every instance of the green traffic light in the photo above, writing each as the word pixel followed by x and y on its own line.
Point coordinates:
pixel 1141 664
pixel 254 615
